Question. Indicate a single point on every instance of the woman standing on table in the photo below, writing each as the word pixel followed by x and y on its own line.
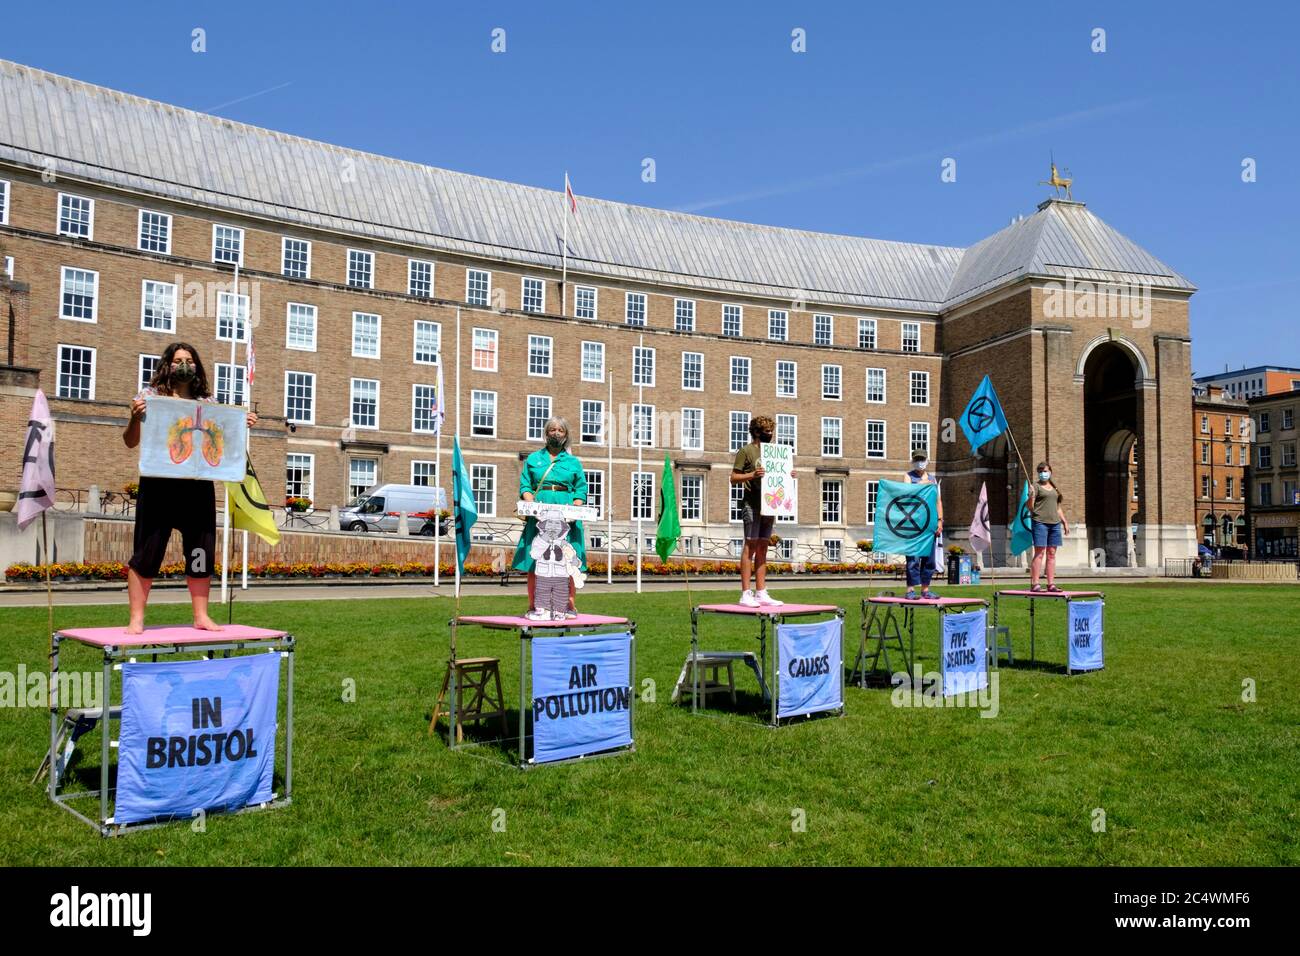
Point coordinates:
pixel 166 504
pixel 920 567
pixel 554 476
pixel 1049 523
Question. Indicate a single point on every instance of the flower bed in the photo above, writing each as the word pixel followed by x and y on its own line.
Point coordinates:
pixel 279 570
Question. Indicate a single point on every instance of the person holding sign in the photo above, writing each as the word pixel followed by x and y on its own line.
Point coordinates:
pixel 920 567
pixel 1049 523
pixel 167 504
pixel 554 476
pixel 748 471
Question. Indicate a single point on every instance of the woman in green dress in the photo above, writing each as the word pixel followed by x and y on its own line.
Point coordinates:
pixel 555 476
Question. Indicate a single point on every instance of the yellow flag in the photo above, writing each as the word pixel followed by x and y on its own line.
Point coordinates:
pixel 248 508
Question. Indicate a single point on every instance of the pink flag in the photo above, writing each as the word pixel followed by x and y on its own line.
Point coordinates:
pixel 980 537
pixel 36 492
pixel 568 192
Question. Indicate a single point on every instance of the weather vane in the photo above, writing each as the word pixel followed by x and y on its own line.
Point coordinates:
pixel 1058 182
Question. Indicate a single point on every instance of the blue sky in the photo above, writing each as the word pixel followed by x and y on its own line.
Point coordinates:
pixel 847 137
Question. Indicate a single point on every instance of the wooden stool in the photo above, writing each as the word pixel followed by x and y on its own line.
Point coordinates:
pixel 472 676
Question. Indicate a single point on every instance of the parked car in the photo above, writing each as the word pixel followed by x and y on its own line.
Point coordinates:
pixel 378 508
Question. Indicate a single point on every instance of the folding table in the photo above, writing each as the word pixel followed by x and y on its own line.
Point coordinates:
pixel 116 646
pixel 883 621
pixel 769 678
pixel 1033 597
pixel 527 631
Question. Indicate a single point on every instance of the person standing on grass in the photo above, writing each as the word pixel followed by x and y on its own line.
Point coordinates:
pixel 162 505
pixel 1049 524
pixel 748 471
pixel 920 567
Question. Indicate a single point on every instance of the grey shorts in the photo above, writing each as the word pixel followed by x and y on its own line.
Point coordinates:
pixel 758 527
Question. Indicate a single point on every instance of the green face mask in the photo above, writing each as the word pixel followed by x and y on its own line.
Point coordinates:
pixel 183 372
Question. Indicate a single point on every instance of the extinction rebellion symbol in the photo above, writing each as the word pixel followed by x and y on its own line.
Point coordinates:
pixel 980 414
pixel 908 516
pixel 1026 518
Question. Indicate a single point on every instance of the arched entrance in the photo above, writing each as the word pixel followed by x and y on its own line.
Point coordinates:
pixel 1110 432
pixel 999 476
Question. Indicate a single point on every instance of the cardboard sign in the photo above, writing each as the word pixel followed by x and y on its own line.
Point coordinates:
pixel 777 461
pixel 185 438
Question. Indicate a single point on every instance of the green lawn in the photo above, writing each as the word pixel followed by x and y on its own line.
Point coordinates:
pixel 1161 741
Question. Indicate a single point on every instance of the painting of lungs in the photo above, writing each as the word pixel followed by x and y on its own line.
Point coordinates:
pixel 183 438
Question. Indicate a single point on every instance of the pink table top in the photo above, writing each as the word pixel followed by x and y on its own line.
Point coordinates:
pixel 1051 594
pixel 167 634
pixel 931 602
pixel 788 610
pixel 519 621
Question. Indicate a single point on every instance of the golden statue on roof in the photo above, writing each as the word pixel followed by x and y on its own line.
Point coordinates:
pixel 1058 182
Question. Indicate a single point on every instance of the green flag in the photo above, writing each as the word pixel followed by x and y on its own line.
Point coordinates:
pixel 462 501
pixel 1022 531
pixel 670 528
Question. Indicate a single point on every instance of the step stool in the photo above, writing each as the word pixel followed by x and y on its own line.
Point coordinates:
pixel 472 677
pixel 712 662
pixel 77 722
pixel 997 646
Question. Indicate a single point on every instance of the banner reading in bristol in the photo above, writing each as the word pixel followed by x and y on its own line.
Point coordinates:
pixel 907 517
pixel 964 652
pixel 1085 622
pixel 186 438
pixel 581 695
pixel 196 735
pixel 811 668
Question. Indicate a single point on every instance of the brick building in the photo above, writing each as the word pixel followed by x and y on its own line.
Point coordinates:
pixel 125 218
pixel 1274 496
pixel 1221 455
pixel 1249 382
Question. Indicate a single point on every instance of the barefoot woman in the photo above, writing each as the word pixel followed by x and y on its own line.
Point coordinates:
pixel 167 504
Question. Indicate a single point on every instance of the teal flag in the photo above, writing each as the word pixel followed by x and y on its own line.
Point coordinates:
pixel 1022 528
pixel 464 512
pixel 907 518
pixel 670 526
pixel 983 419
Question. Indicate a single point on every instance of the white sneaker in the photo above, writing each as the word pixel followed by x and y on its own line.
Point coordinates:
pixel 765 598
pixel 538 614
pixel 747 599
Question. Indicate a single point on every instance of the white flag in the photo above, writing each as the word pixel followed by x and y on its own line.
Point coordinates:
pixel 36 491
pixel 980 536
pixel 439 402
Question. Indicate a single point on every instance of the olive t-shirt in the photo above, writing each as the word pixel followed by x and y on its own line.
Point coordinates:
pixel 747 460
pixel 1045 504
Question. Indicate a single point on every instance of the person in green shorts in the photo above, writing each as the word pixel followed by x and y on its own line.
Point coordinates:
pixel 554 476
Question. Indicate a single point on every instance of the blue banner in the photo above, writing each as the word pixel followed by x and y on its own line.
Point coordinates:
pixel 811 669
pixel 907 518
pixel 983 419
pixel 1085 624
pixel 1022 524
pixel 582 695
pixel 964 652
pixel 196 735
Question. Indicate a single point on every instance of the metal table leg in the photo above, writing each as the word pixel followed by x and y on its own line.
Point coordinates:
pixel 695 660
pixel 288 727
pixel 525 635
pixel 774 675
pixel 1032 653
pixel 105 728
pixel 454 690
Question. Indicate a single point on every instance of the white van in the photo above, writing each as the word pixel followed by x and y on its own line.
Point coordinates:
pixel 377 509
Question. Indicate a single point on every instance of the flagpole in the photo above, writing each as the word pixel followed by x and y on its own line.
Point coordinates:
pixel 564 251
pixel 437 469
pixel 248 436
pixel 225 520
pixel 640 397
pixel 49 616
pixel 609 484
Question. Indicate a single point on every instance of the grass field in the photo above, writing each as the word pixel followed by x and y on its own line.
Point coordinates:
pixel 1161 740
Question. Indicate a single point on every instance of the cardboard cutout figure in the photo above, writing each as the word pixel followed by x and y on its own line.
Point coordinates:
pixel 557 562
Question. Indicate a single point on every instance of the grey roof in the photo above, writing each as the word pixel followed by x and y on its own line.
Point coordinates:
pixel 1061 240
pixel 118 139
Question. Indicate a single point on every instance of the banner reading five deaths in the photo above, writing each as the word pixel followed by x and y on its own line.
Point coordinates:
pixel 777 461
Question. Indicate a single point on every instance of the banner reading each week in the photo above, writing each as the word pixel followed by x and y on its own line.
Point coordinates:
pixel 581 695
pixel 964 652
pixel 811 668
pixel 196 735
pixel 1085 635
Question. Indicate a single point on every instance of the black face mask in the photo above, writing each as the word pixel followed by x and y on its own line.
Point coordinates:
pixel 184 372
pixel 554 443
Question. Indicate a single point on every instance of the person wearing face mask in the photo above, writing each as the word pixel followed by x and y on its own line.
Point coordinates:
pixel 164 505
pixel 1049 523
pixel 554 476
pixel 748 471
pixel 920 567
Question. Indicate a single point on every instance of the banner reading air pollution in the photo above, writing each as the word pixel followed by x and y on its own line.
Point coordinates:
pixel 582 695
